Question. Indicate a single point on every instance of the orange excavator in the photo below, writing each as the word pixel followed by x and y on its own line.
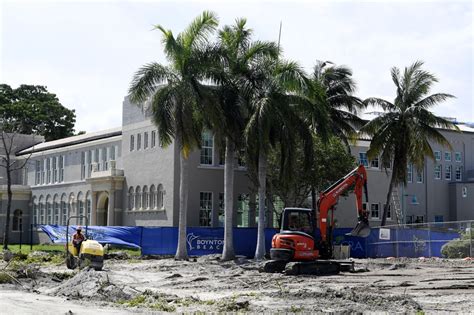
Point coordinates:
pixel 297 245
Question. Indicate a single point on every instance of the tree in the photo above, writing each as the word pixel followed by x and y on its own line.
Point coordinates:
pixel 276 89
pixel 178 98
pixel 10 144
pixel 336 86
pixel 36 111
pixel 402 133
pixel 237 55
pixel 331 161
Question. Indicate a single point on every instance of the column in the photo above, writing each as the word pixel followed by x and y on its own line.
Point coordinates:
pixel 111 209
pixel 94 208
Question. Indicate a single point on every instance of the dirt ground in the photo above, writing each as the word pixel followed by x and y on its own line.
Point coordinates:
pixel 208 285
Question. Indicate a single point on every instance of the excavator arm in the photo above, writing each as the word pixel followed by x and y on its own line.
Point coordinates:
pixel 357 178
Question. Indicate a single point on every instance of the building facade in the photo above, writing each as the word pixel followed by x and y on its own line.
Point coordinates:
pixel 123 176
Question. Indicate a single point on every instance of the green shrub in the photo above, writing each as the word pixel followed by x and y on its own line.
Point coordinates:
pixel 459 248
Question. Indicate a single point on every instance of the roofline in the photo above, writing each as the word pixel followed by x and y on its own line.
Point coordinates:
pixel 32 150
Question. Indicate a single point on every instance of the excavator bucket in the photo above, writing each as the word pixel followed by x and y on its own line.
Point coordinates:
pixel 362 229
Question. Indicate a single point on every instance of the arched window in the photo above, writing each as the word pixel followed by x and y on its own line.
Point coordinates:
pixel 145 198
pixel 49 210
pixel 17 220
pixel 131 199
pixel 152 197
pixel 64 208
pixel 56 209
pixel 161 197
pixel 138 198
pixel 41 210
pixel 80 207
pixel 35 210
pixel 89 206
pixel 71 205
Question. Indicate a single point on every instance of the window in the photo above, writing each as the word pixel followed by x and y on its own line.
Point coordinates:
pixel 49 210
pixel 153 197
pixel 437 155
pixel 457 157
pixel 48 170
pixel 88 207
pixel 132 142
pixel 131 201
pixel 363 159
pixel 410 219
pixel 89 163
pixel 447 175
pixel 374 210
pixel 83 165
pixel 221 210
pixel 80 207
pixel 64 213
pixel 374 163
pixel 41 211
pixel 464 192
pixel 458 173
pixel 410 173
pixel 145 140
pixel 139 141
pixel 112 154
pixel 243 210
pixel 17 220
pixel 439 218
pixel 61 168
pixel 161 197
pixel 56 209
pixel 37 172
pixel 205 208
pixel 221 156
pixel 437 172
pixel 153 138
pixel 104 164
pixel 55 169
pixel 447 156
pixel 145 200
pixel 138 198
pixel 419 176
pixel 207 148
pixel 419 219
pixel 35 211
pixel 42 171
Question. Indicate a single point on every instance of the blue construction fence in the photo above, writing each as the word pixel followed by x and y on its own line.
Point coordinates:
pixel 205 241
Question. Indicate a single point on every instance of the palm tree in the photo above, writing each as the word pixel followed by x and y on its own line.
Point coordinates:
pixel 402 133
pixel 336 86
pixel 277 88
pixel 238 53
pixel 178 98
pixel 332 93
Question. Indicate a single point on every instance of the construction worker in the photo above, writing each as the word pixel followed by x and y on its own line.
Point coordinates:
pixel 78 238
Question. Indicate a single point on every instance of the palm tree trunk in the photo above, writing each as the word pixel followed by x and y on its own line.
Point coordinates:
pixel 262 174
pixel 228 252
pixel 387 203
pixel 182 251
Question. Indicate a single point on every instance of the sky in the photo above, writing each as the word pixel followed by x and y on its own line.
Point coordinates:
pixel 86 52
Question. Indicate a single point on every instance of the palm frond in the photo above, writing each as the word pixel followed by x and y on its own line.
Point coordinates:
pixel 147 79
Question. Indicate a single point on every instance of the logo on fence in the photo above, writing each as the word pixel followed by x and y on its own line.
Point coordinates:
pixel 204 243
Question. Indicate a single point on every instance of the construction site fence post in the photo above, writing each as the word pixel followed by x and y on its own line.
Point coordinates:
pixel 429 240
pixel 470 239
pixel 397 244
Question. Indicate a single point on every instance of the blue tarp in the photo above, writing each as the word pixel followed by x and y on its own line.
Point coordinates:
pixel 204 241
pixel 118 235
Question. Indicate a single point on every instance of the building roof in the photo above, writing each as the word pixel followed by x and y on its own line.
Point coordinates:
pixel 72 140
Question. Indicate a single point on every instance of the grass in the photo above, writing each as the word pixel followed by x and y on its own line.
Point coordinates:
pixel 5 278
pixel 149 300
pixel 25 249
